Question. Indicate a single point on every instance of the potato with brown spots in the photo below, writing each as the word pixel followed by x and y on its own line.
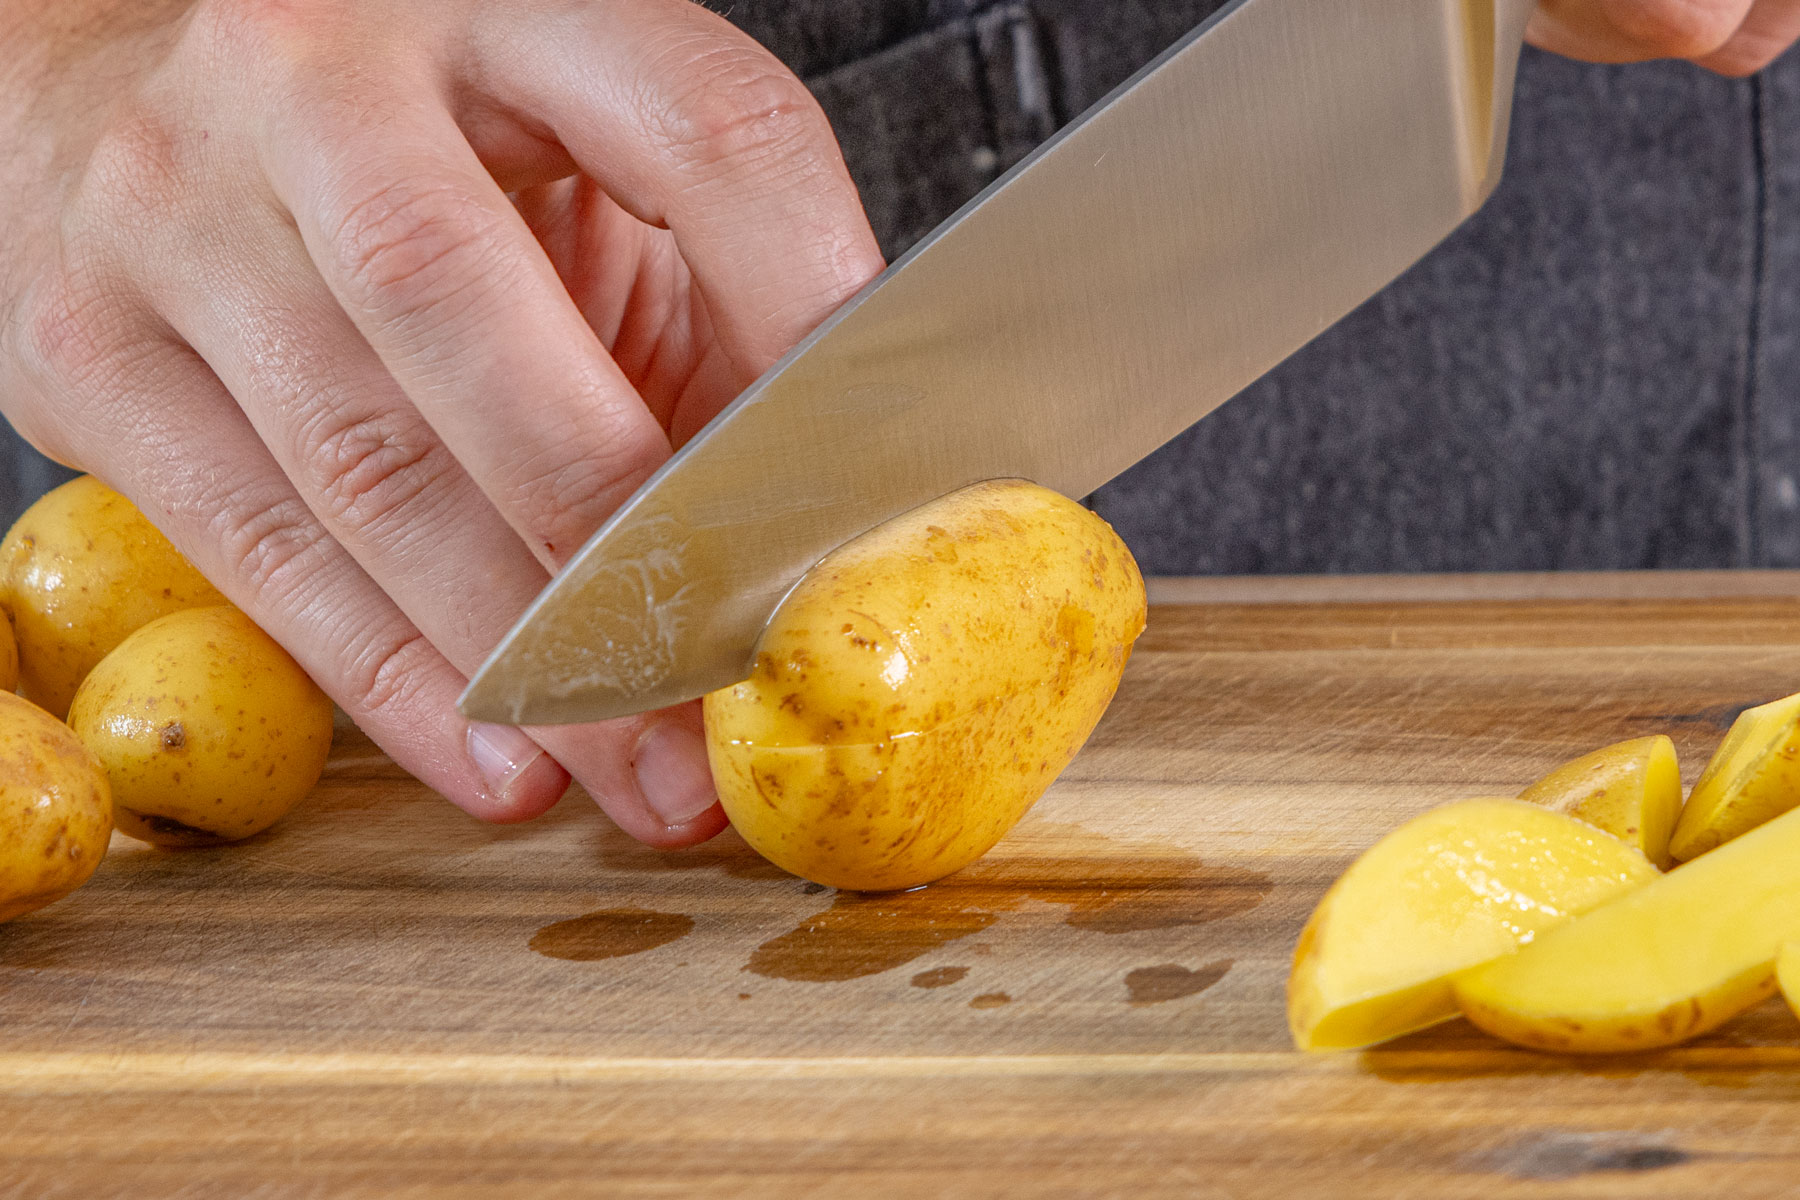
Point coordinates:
pixel 79 570
pixel 207 729
pixel 55 809
pixel 920 688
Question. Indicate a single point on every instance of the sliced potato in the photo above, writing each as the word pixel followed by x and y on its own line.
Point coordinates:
pixel 1657 966
pixel 920 688
pixel 1450 889
pixel 1630 789
pixel 1787 973
pixel 1753 777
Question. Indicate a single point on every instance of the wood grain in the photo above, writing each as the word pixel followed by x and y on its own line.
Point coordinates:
pixel 381 997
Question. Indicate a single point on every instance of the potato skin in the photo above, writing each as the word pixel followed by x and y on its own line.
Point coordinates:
pixel 9 655
pixel 208 730
pixel 920 688
pixel 55 809
pixel 79 570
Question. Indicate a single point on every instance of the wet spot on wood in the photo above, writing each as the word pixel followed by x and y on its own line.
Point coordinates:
pixel 939 977
pixel 1100 884
pixel 865 935
pixel 610 933
pixel 1565 1154
pixel 990 1000
pixel 1171 981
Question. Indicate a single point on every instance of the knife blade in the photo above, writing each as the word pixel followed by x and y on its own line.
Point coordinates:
pixel 1262 177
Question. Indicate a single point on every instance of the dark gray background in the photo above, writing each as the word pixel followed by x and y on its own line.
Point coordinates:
pixel 1601 370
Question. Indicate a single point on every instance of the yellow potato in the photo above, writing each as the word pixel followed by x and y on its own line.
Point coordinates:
pixel 1452 888
pixel 9 655
pixel 55 809
pixel 1630 789
pixel 207 729
pixel 78 571
pixel 1787 972
pixel 1657 966
pixel 1753 777
pixel 920 688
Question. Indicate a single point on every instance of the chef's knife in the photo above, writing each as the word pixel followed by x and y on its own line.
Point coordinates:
pixel 1256 182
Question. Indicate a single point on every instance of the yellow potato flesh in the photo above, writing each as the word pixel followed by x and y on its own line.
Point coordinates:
pixel 9 655
pixel 1753 777
pixel 921 687
pixel 79 570
pixel 1451 889
pixel 1787 973
pixel 55 809
pixel 208 731
pixel 1631 789
pixel 1655 967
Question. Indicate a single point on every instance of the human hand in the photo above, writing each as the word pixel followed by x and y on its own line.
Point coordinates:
pixel 378 308
pixel 1732 37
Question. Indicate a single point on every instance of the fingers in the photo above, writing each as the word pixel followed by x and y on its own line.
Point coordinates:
pixel 386 489
pixel 167 434
pixel 688 123
pixel 442 278
pixel 1635 30
pixel 1771 27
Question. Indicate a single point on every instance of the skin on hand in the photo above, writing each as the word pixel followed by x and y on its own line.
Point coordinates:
pixel 1732 37
pixel 378 308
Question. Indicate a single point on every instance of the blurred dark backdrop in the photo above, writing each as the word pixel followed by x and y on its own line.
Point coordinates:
pixel 1601 370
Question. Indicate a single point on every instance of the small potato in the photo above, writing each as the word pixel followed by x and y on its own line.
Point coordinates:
pixel 55 809
pixel 78 571
pixel 9 655
pixel 208 730
pixel 920 688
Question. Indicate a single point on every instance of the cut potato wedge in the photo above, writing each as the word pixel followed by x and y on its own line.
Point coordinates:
pixel 1631 789
pixel 1753 777
pixel 1787 973
pixel 1657 966
pixel 1449 890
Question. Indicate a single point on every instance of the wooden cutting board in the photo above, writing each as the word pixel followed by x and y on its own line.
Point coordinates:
pixel 383 998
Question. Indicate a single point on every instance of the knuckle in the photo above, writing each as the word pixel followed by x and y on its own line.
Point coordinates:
pixel 370 475
pixel 739 107
pixel 1682 28
pixel 138 171
pixel 60 344
pixel 560 497
pixel 387 676
pixel 410 245
pixel 270 545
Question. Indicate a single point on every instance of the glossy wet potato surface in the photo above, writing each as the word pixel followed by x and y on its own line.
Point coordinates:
pixel 924 684
pixel 208 730
pixel 55 809
pixel 80 570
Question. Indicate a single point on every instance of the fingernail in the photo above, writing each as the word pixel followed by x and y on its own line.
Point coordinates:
pixel 672 772
pixel 502 754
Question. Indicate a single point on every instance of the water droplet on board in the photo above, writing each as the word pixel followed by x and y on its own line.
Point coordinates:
pixel 610 933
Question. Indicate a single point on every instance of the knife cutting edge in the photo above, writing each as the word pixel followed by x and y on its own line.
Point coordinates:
pixel 1261 178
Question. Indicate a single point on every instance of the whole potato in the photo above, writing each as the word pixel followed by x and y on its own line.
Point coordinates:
pixel 207 729
pixel 9 655
pixel 920 688
pixel 79 570
pixel 55 809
